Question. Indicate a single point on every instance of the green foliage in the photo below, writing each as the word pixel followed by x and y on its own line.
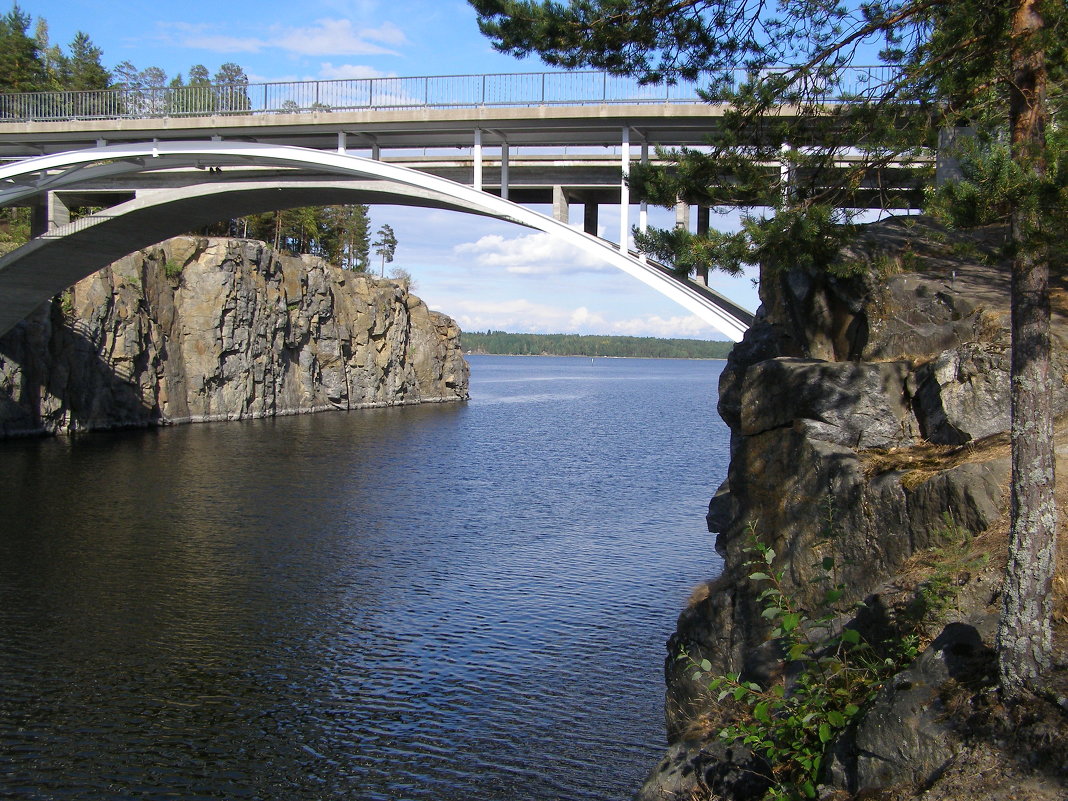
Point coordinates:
pixel 385 245
pixel 934 596
pixel 172 269
pixel 14 228
pixel 82 70
pixel 22 67
pixel 591 345
pixel 993 184
pixel 338 234
pixel 833 672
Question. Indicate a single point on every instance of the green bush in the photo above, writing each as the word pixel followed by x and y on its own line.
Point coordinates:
pixel 172 269
pixel 829 673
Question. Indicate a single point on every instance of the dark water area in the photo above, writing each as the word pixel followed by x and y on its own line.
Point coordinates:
pixel 448 602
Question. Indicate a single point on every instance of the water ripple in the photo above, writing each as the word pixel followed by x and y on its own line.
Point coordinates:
pixel 450 602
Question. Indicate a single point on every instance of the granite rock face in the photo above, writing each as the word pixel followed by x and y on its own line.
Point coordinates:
pixel 199 329
pixel 838 393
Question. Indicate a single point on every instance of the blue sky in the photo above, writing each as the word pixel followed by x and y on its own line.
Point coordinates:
pixel 484 273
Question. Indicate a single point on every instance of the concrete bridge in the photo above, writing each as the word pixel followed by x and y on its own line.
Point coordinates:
pixel 163 163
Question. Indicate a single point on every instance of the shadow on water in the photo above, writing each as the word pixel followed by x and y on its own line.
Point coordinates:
pixel 58 380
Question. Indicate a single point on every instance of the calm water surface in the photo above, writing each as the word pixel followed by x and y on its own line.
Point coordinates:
pixel 458 602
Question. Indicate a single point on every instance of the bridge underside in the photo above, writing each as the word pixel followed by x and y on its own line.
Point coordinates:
pixel 57 259
pixel 54 261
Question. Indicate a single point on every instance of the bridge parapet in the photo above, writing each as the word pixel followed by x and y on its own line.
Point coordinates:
pixel 528 89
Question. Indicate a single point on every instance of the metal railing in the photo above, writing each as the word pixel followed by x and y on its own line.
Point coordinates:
pixel 362 94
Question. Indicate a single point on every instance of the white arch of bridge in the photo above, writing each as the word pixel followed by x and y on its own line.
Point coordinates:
pixel 50 263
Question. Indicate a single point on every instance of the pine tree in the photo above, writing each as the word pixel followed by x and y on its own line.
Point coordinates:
pixel 52 59
pixel 231 88
pixel 21 66
pixel 992 63
pixel 84 71
pixel 385 246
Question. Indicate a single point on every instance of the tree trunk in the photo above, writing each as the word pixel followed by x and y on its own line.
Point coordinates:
pixel 1025 641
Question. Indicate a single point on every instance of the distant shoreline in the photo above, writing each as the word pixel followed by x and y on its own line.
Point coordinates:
pixel 589 356
pixel 502 343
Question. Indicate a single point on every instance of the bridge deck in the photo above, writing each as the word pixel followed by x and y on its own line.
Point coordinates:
pixel 546 126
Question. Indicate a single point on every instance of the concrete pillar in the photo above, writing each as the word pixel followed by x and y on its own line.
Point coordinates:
pixel 947 165
pixel 702 229
pixel 342 142
pixel 784 171
pixel 47 214
pixel 589 217
pixel 476 181
pixel 643 209
pixel 702 219
pixel 561 206
pixel 504 170
pixel 376 151
pixel 682 215
pixel 624 193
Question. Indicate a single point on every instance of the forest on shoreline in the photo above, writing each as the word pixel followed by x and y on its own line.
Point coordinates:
pixel 505 344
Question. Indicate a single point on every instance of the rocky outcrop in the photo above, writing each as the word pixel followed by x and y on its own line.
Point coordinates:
pixel 868 418
pixel 202 329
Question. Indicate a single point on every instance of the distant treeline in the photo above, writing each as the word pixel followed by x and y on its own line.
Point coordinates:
pixel 505 344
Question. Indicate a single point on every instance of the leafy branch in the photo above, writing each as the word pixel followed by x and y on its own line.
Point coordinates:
pixel 829 674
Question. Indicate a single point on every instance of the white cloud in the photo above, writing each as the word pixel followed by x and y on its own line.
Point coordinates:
pixel 324 37
pixel 582 319
pixel 338 37
pixel 347 71
pixel 680 327
pixel 533 254
pixel 525 316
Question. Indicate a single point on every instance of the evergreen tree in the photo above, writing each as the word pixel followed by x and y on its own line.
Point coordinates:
pixel 385 246
pixel 991 63
pixel 83 70
pixel 348 240
pixel 21 66
pixel 52 58
pixel 231 88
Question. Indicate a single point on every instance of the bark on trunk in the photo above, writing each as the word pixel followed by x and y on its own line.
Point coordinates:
pixel 1025 633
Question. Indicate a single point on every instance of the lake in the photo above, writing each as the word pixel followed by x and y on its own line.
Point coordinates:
pixel 457 602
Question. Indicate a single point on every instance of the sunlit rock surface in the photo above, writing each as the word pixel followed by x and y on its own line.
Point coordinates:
pixel 203 329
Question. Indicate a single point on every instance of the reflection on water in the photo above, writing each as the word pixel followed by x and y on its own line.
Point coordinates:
pixel 443 602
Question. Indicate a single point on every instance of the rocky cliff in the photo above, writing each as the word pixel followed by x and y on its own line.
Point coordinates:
pixel 868 417
pixel 202 329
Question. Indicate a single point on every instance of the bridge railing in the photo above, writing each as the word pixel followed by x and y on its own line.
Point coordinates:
pixel 360 94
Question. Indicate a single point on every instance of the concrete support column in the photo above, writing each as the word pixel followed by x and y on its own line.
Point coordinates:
pixel 561 206
pixel 589 217
pixel 624 193
pixel 643 209
pixel 682 215
pixel 784 171
pixel 476 181
pixel 504 170
pixel 342 142
pixel 702 230
pixel 47 214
